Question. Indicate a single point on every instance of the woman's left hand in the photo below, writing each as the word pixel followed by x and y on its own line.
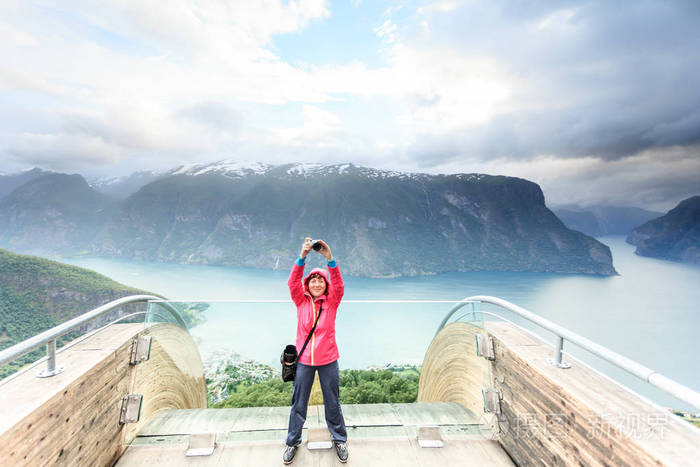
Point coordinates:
pixel 326 250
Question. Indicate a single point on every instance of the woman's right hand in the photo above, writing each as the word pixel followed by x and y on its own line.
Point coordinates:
pixel 306 247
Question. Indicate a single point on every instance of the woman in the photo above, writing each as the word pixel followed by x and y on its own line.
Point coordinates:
pixel 320 291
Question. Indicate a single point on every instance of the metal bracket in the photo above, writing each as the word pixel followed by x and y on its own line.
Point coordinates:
pixel 557 361
pixel 492 400
pixel 430 437
pixel 484 346
pixel 131 408
pixel 562 365
pixel 46 373
pixel 140 350
pixel 201 444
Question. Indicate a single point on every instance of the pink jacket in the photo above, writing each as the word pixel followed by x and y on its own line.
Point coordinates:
pixel 321 348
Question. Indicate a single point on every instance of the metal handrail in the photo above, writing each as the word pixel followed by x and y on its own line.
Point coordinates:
pixel 49 337
pixel 642 372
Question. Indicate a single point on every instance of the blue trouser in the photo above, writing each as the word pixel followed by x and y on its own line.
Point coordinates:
pixel 329 376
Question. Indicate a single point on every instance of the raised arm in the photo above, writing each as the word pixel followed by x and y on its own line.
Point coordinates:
pixel 337 287
pixel 296 288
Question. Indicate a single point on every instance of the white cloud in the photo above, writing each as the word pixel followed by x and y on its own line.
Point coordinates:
pixel 386 32
pixel 443 92
pixel 64 151
pixel 319 128
pixel 557 19
pixel 186 81
pixel 16 36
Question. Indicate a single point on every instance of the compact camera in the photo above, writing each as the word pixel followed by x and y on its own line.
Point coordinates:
pixel 317 245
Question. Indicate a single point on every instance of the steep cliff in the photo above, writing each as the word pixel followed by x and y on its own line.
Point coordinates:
pixel 674 236
pixel 379 223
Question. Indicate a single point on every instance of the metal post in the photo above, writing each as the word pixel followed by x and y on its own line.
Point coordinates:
pixel 51 368
pixel 51 356
pixel 556 361
pixel 475 309
pixel 557 353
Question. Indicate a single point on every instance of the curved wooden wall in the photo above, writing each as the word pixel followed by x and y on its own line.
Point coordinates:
pixel 452 372
pixel 172 378
pixel 73 418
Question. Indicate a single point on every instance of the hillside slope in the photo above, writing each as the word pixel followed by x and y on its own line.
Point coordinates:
pixel 37 294
pixel 53 213
pixel 598 221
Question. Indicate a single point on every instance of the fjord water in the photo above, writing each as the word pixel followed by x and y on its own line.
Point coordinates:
pixel 650 312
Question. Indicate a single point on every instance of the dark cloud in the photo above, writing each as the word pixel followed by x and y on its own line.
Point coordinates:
pixel 608 79
pixel 637 181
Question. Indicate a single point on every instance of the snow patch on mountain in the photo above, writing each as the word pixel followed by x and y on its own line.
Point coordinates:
pixel 227 168
pixel 239 169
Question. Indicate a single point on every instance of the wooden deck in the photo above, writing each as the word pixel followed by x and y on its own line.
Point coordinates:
pixel 378 434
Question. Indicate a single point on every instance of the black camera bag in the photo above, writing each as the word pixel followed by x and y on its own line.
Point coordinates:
pixel 289 357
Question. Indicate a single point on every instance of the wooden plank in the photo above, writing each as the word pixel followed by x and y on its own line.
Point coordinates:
pixel 23 394
pixel 389 451
pixel 73 418
pixel 49 432
pixel 558 417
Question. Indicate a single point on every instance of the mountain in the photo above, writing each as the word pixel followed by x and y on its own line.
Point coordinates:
pixel 37 294
pixel 675 236
pixel 122 187
pixel 598 221
pixel 11 181
pixel 379 223
pixel 53 213
pixel 582 221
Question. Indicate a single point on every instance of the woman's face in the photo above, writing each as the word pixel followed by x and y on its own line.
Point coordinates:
pixel 317 285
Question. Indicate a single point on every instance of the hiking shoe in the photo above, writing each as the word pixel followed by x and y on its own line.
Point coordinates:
pixel 342 450
pixel 288 455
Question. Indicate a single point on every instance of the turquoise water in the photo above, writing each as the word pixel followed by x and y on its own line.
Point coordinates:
pixel 649 313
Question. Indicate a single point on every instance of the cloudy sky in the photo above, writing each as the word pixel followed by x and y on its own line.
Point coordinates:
pixel 598 102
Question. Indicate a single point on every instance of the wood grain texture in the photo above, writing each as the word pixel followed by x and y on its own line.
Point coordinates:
pixel 378 434
pixel 577 416
pixel 172 378
pixel 73 418
pixel 452 372
pixel 395 451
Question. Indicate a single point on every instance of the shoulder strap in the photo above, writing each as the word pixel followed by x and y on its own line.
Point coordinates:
pixel 311 332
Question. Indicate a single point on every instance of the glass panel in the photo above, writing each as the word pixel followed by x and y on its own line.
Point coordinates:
pixel 382 350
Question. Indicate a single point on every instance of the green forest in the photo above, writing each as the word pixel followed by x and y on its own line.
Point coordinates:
pixel 37 294
pixel 356 387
